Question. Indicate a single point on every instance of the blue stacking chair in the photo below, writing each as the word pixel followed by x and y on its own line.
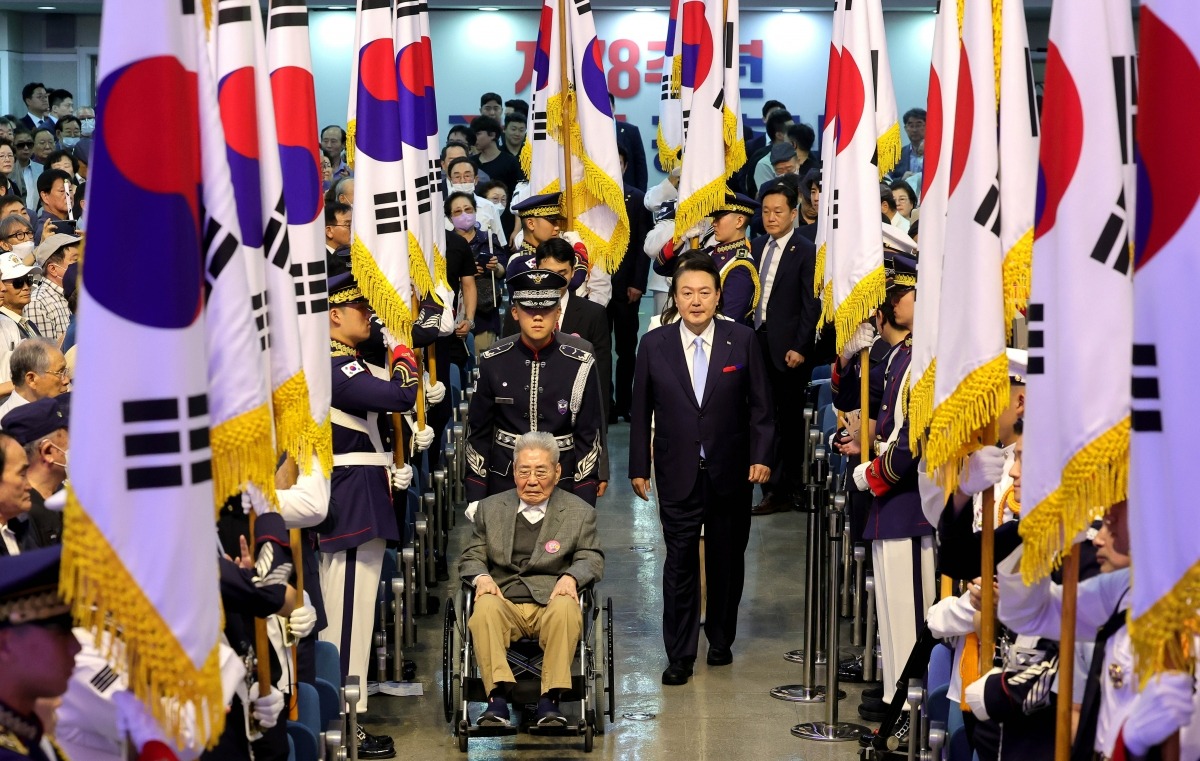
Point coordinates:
pixel 329 664
pixel 304 733
pixel 331 705
pixel 941 665
pixel 291 750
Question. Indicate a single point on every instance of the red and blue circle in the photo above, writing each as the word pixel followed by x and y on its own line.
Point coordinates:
pixel 239 117
pixel 541 54
pixel 697 47
pixel 377 109
pixel 594 83
pixel 1062 140
pixel 851 100
pixel 964 121
pixel 296 127
pixel 154 279
pixel 418 108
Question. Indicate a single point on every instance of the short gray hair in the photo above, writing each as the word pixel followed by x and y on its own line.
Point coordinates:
pixel 31 355
pixel 536 440
pixel 9 224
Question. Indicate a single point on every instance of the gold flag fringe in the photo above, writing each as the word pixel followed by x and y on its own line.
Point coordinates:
pixel 526 157
pixel 1096 477
pixel 668 155
pixel 207 7
pixel 381 295
pixel 735 146
pixel 242 455
pixel 997 41
pixel 295 430
pixel 962 7
pixel 1161 636
pixel 677 71
pixel 418 269
pixel 888 149
pixel 351 131
pixel 439 267
pixel 322 434
pixel 864 298
pixel 106 599
pixel 1017 273
pixel 826 316
pixel 819 271
pixel 920 408
pixel 965 420
pixel 698 205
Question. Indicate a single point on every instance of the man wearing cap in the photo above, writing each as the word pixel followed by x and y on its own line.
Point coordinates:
pixel 901 536
pixel 535 381
pixel 14 326
pixel 37 649
pixel 740 288
pixel 41 427
pixel 540 218
pixel 353 544
pixel 48 308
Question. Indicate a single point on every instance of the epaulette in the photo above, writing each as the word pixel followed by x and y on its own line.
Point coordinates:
pixel 574 352
pixel 10 741
pixel 499 348
pixel 908 341
pixel 739 247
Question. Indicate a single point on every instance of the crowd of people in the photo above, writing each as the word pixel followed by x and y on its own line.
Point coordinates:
pixel 714 395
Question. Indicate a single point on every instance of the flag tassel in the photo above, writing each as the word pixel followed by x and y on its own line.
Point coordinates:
pixel 819 271
pixel 380 294
pixel 106 599
pixel 295 430
pixel 1162 635
pixel 964 418
pixel 867 295
pixel 242 456
pixel 888 149
pixel 1017 270
pixel 419 274
pixel 1095 477
pixel 351 131
pixel 920 407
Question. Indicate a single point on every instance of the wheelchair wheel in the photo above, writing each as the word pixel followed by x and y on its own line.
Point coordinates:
pixel 589 738
pixel 610 661
pixel 449 652
pixel 461 731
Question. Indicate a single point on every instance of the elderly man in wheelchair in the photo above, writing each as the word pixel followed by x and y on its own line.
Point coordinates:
pixel 534 548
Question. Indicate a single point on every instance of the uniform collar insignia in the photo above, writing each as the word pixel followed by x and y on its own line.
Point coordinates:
pixel 733 245
pixel 17 727
pixel 339 349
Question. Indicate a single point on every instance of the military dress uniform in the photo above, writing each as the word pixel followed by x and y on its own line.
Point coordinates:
pixel 353 543
pixel 555 389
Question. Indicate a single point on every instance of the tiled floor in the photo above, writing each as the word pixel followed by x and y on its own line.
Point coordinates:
pixel 722 713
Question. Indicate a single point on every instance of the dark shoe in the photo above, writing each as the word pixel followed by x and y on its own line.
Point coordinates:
pixel 384 740
pixel 872 710
pixel 771 504
pixel 677 673
pixel 548 714
pixel 873 692
pixel 720 656
pixel 851 670
pixel 372 746
pixel 496 714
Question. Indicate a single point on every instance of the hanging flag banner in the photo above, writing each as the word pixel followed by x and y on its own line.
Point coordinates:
pixel 295 114
pixel 713 148
pixel 139 513
pixel 1163 530
pixel 823 272
pixel 887 120
pixel 971 386
pixel 670 107
pixel 1077 391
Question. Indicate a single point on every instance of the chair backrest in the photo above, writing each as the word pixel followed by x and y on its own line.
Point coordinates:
pixel 309 705
pixel 821 372
pixel 939 703
pixel 291 750
pixel 329 663
pixel 302 742
pixel 941 663
pixel 331 704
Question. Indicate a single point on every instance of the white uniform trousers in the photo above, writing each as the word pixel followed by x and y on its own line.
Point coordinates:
pixel 350 585
pixel 904 591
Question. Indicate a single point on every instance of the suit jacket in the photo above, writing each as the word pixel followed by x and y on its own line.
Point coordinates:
pixel 569 521
pixel 634 270
pixel 636 173
pixel 733 422
pixel 792 312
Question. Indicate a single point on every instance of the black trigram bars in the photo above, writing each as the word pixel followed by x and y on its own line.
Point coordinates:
pixel 387 213
pixel 220 246
pixel 288 13
pixel 987 215
pixel 1146 415
pixel 275 237
pixel 171 428
pixel 312 287
pixel 1114 237
pixel 1036 315
pixel 262 320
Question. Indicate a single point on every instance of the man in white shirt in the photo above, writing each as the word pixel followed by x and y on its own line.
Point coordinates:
pixel 17 533
pixel 40 371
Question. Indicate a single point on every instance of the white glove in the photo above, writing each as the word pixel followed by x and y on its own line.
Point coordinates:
pixel 402 476
pixel 864 336
pixel 266 710
pixel 570 236
pixel 303 619
pixel 423 437
pixel 1158 711
pixel 973 694
pixel 134 719
pixel 860 476
pixel 470 511
pixel 436 393
pixel 699 230
pixel 983 470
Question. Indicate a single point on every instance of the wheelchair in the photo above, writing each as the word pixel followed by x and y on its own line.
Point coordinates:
pixel 592 679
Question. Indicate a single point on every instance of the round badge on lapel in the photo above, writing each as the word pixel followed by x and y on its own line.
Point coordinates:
pixel 553 546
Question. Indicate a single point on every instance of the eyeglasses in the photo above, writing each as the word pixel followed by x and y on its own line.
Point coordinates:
pixel 347 225
pixel 18 283
pixel 540 474
pixel 24 144
pixel 20 235
pixel 62 374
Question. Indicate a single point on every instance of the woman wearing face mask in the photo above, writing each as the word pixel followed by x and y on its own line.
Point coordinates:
pixel 8 163
pixel 489 270
pixel 16 235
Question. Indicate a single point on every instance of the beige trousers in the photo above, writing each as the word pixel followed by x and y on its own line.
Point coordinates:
pixel 496 622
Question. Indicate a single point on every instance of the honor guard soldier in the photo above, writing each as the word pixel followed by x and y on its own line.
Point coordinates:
pixel 740 287
pixel 37 650
pixel 539 380
pixel 363 477
pixel 541 219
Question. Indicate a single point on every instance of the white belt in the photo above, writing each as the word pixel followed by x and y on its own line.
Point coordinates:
pixel 362 458
pixel 508 440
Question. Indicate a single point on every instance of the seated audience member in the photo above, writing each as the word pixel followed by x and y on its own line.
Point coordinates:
pixel 54 191
pixel 887 205
pixel 18 534
pixel 37 370
pixel 522 591
pixel 87 115
pixel 8 164
pixel 333 145
pixel 7 126
pixel 912 156
pixel 27 170
pixel 338 218
pixel 463 178
pixel 499 165
pixel 16 233
pixel 906 200
pixel 326 173
pixel 341 191
pixel 43 145
pixel 68 131
pixel 48 304
pixel 489 271
pixel 14 328
pixel 41 428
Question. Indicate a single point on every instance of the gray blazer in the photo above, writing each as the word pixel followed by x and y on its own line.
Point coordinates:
pixel 570 522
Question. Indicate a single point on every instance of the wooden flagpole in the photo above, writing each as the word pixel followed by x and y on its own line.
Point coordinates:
pixel 262 645
pixel 864 391
pixel 1066 656
pixel 298 563
pixel 568 178
pixel 987 573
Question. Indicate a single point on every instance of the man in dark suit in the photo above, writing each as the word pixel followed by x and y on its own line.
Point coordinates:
pixel 533 548
pixel 628 284
pixel 704 382
pixel 634 172
pixel 786 323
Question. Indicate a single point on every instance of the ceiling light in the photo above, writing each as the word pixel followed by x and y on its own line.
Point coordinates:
pixel 46 8
pixel 645 10
pixel 489 8
pixel 789 10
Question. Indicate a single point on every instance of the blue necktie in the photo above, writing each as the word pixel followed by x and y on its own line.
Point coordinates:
pixel 699 374
pixel 761 313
